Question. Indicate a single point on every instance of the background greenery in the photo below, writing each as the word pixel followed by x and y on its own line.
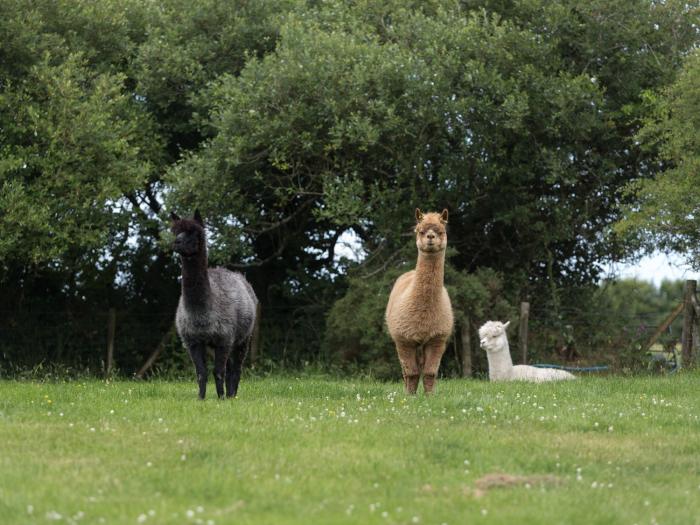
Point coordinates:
pixel 296 126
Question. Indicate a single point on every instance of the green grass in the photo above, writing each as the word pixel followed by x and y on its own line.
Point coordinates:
pixel 315 450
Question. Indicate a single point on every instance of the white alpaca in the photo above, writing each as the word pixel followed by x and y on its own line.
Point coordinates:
pixel 493 339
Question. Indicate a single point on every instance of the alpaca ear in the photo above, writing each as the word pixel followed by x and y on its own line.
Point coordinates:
pixel 419 215
pixel 198 218
pixel 505 325
pixel 443 216
pixel 174 216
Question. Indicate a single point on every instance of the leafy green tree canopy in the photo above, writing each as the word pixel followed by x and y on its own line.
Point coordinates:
pixel 666 211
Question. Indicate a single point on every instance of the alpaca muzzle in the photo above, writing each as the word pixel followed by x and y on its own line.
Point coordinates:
pixel 179 242
pixel 184 246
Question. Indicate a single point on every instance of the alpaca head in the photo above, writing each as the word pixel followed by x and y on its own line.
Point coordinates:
pixel 492 336
pixel 431 233
pixel 190 238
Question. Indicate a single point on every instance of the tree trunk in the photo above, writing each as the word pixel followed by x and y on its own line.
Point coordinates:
pixel 523 329
pixel 465 337
pixel 111 330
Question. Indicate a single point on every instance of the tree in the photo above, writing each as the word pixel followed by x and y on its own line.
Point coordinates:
pixel 295 125
pixel 665 212
pixel 518 117
pixel 94 105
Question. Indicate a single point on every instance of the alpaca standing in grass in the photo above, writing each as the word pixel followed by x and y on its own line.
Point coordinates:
pixel 493 339
pixel 216 308
pixel 419 313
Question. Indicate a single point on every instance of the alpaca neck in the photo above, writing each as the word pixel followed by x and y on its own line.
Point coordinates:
pixel 500 362
pixel 429 278
pixel 195 280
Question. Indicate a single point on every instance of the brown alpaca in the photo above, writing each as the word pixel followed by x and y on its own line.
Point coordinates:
pixel 419 313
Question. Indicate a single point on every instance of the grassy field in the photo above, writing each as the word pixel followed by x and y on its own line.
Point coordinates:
pixel 313 450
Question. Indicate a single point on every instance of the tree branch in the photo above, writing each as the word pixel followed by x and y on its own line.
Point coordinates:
pixel 384 266
pixel 273 226
pixel 258 263
pixel 152 201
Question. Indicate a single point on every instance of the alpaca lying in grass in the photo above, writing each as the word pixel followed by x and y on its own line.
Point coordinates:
pixel 216 308
pixel 419 313
pixel 493 339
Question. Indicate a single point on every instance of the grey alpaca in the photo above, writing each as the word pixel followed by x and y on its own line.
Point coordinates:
pixel 216 308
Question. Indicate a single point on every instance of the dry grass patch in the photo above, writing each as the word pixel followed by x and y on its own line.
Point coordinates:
pixel 499 481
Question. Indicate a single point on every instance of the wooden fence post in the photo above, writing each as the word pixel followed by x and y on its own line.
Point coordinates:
pixel 523 328
pixel 695 347
pixel 154 355
pixel 688 318
pixel 465 337
pixel 111 330
pixel 255 337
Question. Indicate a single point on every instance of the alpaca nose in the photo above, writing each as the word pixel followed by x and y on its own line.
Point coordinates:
pixel 431 236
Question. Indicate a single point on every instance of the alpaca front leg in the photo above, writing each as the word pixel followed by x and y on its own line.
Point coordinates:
pixel 197 352
pixel 409 366
pixel 234 366
pixel 221 354
pixel 433 350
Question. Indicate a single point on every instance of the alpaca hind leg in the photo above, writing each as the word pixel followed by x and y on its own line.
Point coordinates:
pixel 409 366
pixel 233 369
pixel 198 352
pixel 230 376
pixel 221 354
pixel 433 354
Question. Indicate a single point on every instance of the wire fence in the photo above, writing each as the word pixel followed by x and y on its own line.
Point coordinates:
pixel 291 337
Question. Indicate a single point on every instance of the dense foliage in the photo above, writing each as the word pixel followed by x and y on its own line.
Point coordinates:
pixel 298 126
pixel 665 209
